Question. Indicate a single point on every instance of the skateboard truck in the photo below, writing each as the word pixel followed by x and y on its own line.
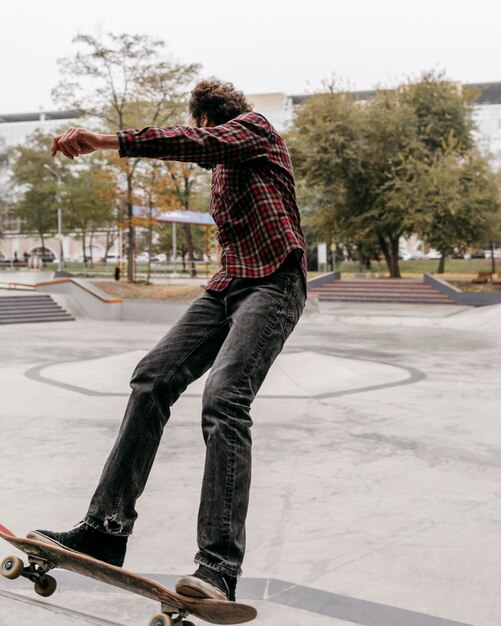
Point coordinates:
pixel 13 567
pixel 170 616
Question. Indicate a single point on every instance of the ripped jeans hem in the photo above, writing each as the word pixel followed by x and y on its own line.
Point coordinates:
pixel 219 567
pixel 107 528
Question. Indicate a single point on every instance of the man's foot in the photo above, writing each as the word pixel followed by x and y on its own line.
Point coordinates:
pixel 208 583
pixel 108 548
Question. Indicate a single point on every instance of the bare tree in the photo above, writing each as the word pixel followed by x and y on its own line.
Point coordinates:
pixel 124 81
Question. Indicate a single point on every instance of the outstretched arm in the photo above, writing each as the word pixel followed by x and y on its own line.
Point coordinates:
pixel 240 140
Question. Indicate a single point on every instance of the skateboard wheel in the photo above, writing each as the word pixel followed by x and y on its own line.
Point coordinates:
pixel 46 586
pixel 12 567
pixel 161 619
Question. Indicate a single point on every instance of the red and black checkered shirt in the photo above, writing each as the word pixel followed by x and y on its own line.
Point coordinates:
pixel 253 198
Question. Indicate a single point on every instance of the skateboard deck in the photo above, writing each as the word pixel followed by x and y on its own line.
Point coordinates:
pixel 174 606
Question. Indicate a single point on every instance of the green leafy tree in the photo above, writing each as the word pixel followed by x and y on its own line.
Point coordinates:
pixel 495 230
pixel 326 144
pixel 35 186
pixel 155 195
pixel 443 112
pixel 124 81
pixel 355 155
pixel 367 160
pixel 381 204
pixel 88 200
pixel 188 184
pixel 459 196
pixel 164 243
pixel 493 236
pixel 166 186
pixel 5 203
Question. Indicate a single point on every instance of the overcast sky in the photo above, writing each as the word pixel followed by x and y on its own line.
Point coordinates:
pixel 260 45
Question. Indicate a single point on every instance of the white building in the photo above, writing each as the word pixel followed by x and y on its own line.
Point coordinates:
pixel 15 128
pixel 487 116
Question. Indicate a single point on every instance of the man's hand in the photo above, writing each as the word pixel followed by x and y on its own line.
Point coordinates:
pixel 77 141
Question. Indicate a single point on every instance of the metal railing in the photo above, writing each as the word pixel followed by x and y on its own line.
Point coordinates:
pixel 17 286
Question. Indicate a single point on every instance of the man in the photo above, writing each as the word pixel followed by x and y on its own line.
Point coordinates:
pixel 237 327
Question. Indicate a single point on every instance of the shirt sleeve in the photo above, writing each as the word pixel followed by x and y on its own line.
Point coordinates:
pixel 242 139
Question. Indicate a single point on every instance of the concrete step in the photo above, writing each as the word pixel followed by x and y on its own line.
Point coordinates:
pixel 31 308
pixel 373 288
pixel 51 311
pixel 420 292
pixel 379 290
pixel 394 298
pixel 23 298
pixel 354 292
pixel 32 320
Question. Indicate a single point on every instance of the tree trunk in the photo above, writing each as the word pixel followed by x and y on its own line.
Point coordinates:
pixel 385 251
pixel 395 245
pixel 84 250
pixel 110 240
pixel 493 260
pixel 441 264
pixel 91 249
pixel 189 246
pixel 360 261
pixel 187 227
pixel 150 241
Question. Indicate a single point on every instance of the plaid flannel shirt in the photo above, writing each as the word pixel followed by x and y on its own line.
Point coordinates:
pixel 253 198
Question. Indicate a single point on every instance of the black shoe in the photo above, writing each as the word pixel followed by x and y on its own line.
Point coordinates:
pixel 208 583
pixel 108 548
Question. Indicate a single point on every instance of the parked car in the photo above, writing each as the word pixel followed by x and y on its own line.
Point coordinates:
pixel 79 258
pixel 110 258
pixel 477 254
pixel 497 253
pixel 47 257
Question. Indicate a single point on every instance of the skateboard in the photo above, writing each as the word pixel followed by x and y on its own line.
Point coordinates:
pixel 174 607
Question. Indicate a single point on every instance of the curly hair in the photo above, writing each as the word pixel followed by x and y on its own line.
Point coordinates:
pixel 219 101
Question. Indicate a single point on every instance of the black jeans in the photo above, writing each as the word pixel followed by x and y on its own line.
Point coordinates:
pixel 238 333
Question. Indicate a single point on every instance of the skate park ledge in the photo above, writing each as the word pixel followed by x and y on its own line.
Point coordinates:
pixel 83 299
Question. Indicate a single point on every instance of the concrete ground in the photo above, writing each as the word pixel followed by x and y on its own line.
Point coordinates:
pixel 376 497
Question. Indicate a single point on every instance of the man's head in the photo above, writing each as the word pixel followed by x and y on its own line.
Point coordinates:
pixel 213 102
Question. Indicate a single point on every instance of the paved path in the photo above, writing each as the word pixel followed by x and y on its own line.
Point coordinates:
pixel 376 496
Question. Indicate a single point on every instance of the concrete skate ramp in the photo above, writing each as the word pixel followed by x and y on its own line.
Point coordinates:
pixel 481 318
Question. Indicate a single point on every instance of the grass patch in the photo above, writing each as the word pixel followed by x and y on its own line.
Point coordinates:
pixel 452 266
pixel 466 285
pixel 141 291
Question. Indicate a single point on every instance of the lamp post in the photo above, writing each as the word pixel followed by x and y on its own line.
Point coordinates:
pixel 57 176
pixel 174 250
